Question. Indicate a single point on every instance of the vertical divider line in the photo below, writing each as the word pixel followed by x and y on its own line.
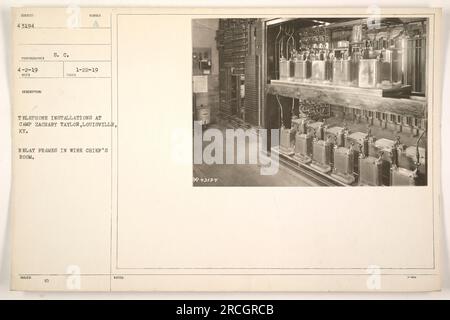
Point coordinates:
pixel 111 157
pixel 117 141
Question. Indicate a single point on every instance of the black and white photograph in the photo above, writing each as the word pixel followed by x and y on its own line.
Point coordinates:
pixel 167 152
pixel 310 101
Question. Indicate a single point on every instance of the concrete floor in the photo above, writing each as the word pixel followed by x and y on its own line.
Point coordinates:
pixel 244 174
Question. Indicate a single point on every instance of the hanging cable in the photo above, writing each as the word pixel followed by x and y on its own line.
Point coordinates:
pixel 293 106
pixel 281 111
pixel 289 48
pixel 417 149
pixel 277 53
pixel 281 44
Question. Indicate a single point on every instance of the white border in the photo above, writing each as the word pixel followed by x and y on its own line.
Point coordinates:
pixel 5 153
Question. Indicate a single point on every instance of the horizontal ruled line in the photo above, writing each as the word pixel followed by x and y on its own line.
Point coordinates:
pixel 224 274
pixel 64 44
pixel 65 77
pixel 67 28
pixel 33 61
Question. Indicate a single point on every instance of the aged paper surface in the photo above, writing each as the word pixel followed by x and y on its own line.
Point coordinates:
pixel 106 189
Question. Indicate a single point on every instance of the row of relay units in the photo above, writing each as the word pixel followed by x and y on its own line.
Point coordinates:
pixel 367 61
pixel 364 73
pixel 353 157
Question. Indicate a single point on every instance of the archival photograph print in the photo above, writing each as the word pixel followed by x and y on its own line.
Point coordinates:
pixel 310 101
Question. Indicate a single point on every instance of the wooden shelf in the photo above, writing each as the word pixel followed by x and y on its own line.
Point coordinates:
pixel 368 99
